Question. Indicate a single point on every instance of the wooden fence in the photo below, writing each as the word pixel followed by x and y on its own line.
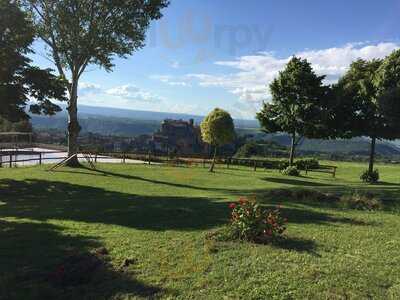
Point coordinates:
pixel 10 159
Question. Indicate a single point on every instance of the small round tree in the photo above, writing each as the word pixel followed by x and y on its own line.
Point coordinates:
pixel 217 129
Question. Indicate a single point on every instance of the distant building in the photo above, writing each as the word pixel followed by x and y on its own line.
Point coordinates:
pixel 179 136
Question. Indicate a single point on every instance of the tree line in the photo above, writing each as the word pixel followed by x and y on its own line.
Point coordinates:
pixel 364 102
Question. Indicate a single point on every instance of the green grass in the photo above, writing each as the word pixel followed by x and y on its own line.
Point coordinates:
pixel 158 217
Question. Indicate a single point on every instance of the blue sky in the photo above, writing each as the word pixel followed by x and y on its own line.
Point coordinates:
pixel 223 53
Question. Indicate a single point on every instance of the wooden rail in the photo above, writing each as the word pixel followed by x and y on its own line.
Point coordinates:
pixel 148 158
pixel 323 169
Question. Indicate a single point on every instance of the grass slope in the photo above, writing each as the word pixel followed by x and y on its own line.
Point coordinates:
pixel 157 218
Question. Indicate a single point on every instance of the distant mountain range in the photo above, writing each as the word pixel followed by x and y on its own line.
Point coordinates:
pixel 355 146
pixel 125 122
pixel 85 111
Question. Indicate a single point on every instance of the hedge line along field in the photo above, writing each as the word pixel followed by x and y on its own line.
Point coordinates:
pixel 138 232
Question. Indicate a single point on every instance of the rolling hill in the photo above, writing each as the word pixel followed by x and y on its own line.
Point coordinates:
pixel 130 123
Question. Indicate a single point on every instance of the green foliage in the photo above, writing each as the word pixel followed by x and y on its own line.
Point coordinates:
pixel 361 201
pixel 297 95
pixel 304 164
pixel 291 171
pixel 359 101
pixel 389 102
pixel 21 126
pixel 249 221
pixel 370 177
pixel 388 84
pixel 304 195
pixel 19 81
pixel 217 129
pixel 259 149
pixel 388 75
pixel 82 33
pixel 359 106
pixel 92 32
pixel 297 105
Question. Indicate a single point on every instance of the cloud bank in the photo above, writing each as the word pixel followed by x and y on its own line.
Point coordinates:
pixel 251 74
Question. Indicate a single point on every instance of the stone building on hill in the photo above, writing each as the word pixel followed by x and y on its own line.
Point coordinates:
pixel 180 137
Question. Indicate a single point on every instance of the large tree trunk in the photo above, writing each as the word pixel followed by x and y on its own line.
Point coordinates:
pixel 292 149
pixel 372 155
pixel 73 124
pixel 213 162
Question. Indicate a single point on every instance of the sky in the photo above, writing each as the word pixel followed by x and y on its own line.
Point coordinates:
pixel 224 53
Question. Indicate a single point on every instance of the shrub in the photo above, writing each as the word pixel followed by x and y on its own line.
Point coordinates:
pixel 360 201
pixel 79 268
pixel 304 164
pixel 304 195
pixel 370 177
pixel 249 221
pixel 291 171
pixel 282 164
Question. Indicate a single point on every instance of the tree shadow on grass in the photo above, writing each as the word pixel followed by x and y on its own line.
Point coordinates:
pixel 302 216
pixel 296 182
pixel 296 244
pixel 42 200
pixel 31 253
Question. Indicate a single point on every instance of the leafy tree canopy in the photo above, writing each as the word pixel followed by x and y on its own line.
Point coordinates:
pixel 388 84
pixel 388 75
pixel 297 106
pixel 79 33
pixel 297 101
pixel 19 81
pixel 359 94
pixel 83 32
pixel 217 128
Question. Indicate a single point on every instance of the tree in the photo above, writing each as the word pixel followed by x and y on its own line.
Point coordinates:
pixel 388 84
pixel 389 102
pixel 20 126
pixel 79 33
pixel 19 81
pixel 217 129
pixel 296 107
pixel 359 92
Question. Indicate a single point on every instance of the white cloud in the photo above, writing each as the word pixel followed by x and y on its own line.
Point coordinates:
pixel 253 73
pixel 124 96
pixel 89 88
pixel 170 80
pixel 133 93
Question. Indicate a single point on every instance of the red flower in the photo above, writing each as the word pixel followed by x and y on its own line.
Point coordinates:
pixel 242 200
pixel 232 205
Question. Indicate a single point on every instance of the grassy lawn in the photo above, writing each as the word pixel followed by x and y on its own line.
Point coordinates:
pixel 152 220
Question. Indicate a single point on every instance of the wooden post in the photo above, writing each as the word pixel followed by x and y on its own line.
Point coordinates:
pixel 10 161
pixel 95 157
pixel 40 158
pixel 123 157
